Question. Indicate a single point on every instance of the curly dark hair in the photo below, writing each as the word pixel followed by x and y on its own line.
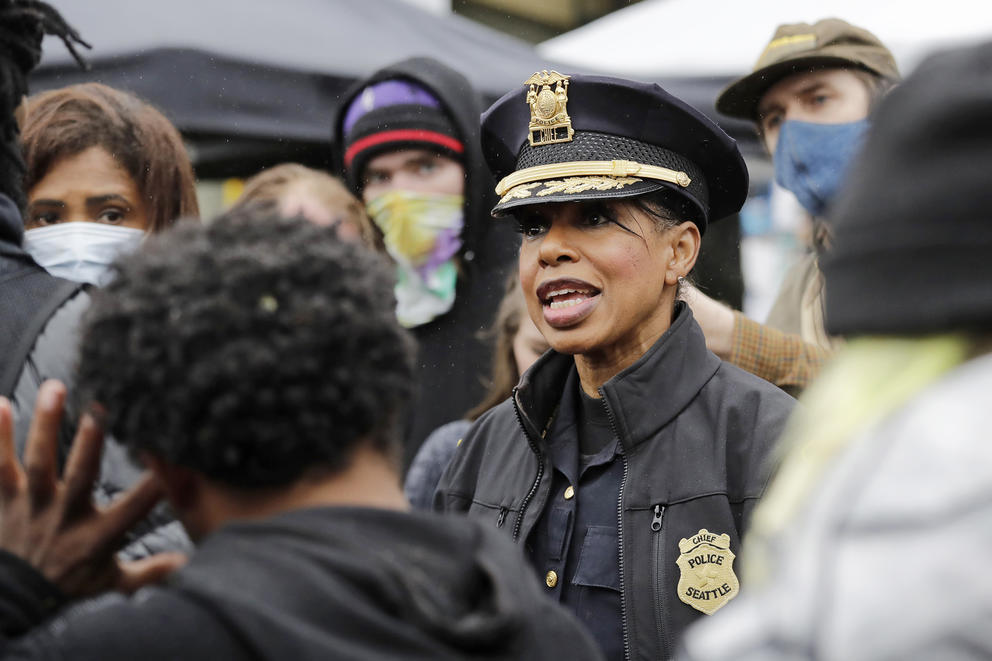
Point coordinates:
pixel 251 350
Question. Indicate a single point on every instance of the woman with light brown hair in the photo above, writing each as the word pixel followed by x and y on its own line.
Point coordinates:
pixel 103 168
pixel 293 189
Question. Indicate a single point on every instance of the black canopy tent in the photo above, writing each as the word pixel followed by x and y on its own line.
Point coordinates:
pixel 250 84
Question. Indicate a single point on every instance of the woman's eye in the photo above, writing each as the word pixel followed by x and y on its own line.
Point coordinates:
pixel 531 228
pixel 112 216
pixel 597 216
pixel 427 167
pixel 45 218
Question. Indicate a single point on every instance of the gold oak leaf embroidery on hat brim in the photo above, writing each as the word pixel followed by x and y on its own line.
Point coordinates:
pixel 568 186
pixel 619 170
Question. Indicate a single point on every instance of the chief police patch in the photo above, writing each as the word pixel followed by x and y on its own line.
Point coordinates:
pixel 707 563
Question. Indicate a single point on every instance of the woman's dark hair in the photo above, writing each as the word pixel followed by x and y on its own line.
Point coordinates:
pixel 669 210
pixel 251 350
pixel 64 122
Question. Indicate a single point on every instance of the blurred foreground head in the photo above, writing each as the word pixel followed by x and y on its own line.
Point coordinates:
pixel 913 245
pixel 251 350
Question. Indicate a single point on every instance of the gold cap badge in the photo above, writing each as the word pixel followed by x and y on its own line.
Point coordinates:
pixel 549 120
pixel 707 563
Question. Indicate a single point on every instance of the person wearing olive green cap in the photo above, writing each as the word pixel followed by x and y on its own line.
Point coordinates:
pixel 809 95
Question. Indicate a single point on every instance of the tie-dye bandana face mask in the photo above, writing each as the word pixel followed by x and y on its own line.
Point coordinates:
pixel 422 233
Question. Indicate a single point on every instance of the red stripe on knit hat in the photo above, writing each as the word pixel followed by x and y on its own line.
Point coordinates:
pixel 401 135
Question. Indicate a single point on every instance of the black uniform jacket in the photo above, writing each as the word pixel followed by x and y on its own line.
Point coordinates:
pixel 696 435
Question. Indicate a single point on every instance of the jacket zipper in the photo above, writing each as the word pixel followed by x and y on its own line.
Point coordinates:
pixel 659 513
pixel 501 517
pixel 537 478
pixel 659 568
pixel 623 483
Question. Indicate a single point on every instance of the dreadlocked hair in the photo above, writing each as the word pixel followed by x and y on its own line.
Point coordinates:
pixel 23 24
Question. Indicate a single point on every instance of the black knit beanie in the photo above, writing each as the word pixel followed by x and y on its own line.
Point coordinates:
pixel 391 115
pixel 912 249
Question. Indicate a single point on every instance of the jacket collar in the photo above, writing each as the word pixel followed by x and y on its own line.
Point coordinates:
pixel 642 398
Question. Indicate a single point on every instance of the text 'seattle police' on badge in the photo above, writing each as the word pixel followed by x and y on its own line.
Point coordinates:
pixel 708 580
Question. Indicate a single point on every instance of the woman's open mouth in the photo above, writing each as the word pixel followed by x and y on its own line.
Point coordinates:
pixel 567 302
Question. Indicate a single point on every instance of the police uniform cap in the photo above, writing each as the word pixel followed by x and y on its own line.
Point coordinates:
pixel 618 126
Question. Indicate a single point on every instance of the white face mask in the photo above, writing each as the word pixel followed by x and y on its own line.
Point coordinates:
pixel 80 251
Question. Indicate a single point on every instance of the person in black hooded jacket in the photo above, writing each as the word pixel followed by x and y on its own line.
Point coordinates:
pixel 31 300
pixel 283 470
pixel 407 142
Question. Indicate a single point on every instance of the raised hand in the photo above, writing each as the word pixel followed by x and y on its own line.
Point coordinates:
pixel 53 524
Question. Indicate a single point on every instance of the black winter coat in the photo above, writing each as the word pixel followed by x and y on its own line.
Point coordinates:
pixel 696 435
pixel 318 583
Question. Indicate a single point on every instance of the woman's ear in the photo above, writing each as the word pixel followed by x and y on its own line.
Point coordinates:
pixel 685 249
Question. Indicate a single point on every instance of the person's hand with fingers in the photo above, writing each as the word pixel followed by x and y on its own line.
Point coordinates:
pixel 53 524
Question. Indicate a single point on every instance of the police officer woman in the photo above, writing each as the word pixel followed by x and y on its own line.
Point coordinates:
pixel 629 456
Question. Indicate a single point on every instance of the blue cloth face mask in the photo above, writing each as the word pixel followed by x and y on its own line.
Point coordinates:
pixel 811 160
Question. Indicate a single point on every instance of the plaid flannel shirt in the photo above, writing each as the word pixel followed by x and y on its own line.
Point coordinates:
pixel 781 358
